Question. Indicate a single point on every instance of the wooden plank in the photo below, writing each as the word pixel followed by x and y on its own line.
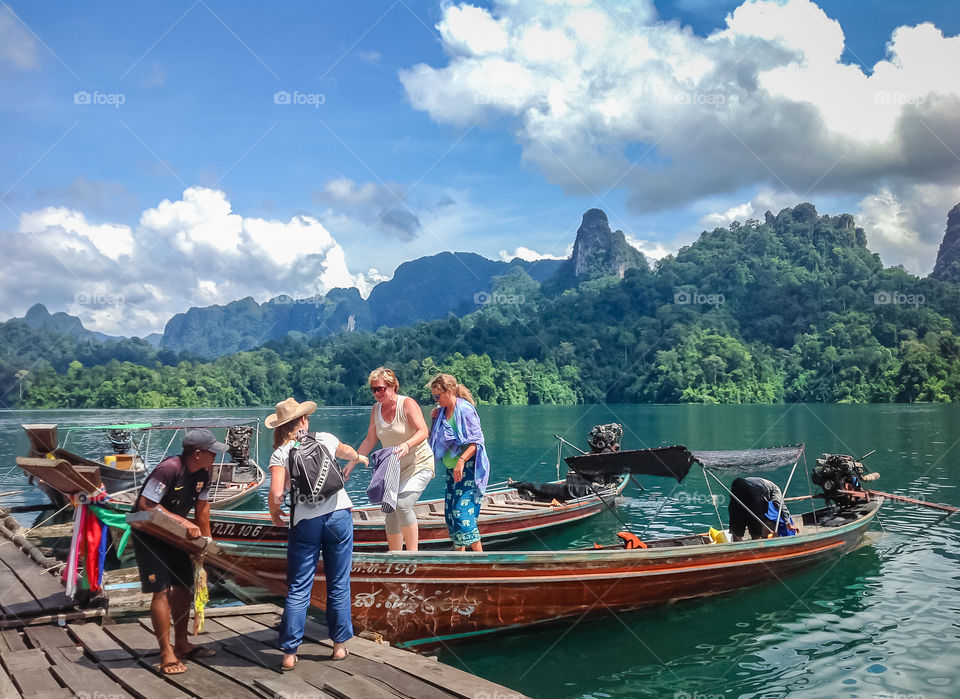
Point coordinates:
pixel 13 640
pixel 82 676
pixel 7 688
pixel 134 639
pixel 41 584
pixel 348 686
pixel 30 671
pixel 286 687
pixel 96 642
pixel 48 637
pixel 15 599
pixel 55 618
pixel 457 682
pixel 140 681
pixel 197 680
pixel 397 680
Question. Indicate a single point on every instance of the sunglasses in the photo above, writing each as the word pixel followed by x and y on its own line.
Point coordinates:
pixel 378 389
pixel 436 397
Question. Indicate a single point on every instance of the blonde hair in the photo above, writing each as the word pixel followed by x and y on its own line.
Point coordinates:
pixel 385 375
pixel 285 432
pixel 446 382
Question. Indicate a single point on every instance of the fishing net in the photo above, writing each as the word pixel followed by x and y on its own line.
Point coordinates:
pixel 748 460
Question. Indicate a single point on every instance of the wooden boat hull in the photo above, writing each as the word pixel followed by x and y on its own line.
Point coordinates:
pixel 501 521
pixel 424 597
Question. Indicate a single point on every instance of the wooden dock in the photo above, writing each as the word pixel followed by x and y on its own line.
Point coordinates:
pixel 50 648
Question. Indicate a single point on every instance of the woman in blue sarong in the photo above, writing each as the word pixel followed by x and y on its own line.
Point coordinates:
pixel 457 441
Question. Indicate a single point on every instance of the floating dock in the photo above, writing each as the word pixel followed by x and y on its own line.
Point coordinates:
pixel 49 648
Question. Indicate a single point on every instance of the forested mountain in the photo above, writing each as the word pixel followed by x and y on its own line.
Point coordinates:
pixel 792 308
pixel 423 289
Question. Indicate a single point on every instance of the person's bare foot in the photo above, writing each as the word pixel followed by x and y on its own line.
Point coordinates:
pixel 339 651
pixel 190 651
pixel 288 663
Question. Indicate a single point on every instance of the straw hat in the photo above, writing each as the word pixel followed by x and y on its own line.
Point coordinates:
pixel 288 411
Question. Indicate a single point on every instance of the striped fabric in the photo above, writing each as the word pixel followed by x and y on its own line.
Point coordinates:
pixel 391 483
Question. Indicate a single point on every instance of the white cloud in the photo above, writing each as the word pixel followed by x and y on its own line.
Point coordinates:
pixel 189 252
pixel 905 224
pixel 18 47
pixel 765 200
pixel 771 100
pixel 531 255
pixel 75 233
pixel 652 249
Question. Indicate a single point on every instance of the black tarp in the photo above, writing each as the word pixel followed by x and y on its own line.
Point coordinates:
pixel 671 462
pixel 749 460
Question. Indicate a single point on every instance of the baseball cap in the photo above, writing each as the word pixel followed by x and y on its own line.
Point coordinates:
pixel 202 438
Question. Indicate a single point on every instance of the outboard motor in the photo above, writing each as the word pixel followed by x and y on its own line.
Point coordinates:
pixel 841 477
pixel 238 443
pixel 605 439
pixel 120 440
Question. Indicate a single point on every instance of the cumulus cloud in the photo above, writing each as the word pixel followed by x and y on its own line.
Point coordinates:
pixel 765 200
pixel 381 206
pixel 532 255
pixel 192 251
pixel 607 95
pixel 905 223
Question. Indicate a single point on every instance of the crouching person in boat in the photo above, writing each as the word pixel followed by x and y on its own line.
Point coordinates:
pixel 177 485
pixel 321 523
pixel 755 505
pixel 457 440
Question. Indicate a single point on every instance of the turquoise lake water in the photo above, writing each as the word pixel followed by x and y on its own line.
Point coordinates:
pixel 884 621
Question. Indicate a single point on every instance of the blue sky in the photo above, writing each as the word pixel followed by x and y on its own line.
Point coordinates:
pixel 416 127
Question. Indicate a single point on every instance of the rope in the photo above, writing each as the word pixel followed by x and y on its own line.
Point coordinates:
pixel 783 495
pixel 713 499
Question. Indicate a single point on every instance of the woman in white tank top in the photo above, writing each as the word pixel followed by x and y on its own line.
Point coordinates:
pixel 397 421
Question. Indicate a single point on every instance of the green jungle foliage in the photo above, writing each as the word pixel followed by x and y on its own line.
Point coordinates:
pixel 795 308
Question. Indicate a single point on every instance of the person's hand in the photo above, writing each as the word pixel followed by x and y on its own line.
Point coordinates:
pixel 458 473
pixel 401 450
pixel 348 469
pixel 434 413
pixel 278 520
pixel 193 531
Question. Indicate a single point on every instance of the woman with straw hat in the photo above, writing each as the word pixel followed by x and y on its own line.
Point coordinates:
pixel 323 528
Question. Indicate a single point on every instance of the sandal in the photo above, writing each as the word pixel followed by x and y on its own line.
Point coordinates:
pixel 289 668
pixel 199 652
pixel 169 668
pixel 334 657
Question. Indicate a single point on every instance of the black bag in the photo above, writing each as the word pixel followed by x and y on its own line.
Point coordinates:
pixel 315 474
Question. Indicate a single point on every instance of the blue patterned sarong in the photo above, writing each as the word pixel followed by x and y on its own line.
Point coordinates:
pixel 462 506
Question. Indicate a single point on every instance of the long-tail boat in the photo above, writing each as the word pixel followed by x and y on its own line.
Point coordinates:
pixel 235 480
pixel 427 597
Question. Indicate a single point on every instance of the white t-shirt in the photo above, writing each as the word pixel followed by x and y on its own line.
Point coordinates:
pixel 307 510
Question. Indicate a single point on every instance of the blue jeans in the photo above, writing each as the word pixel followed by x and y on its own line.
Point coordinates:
pixel 331 534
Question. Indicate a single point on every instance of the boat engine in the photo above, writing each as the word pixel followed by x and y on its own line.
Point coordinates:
pixel 120 440
pixel 238 443
pixel 605 439
pixel 841 477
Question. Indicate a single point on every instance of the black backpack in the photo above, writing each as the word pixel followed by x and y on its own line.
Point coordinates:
pixel 315 474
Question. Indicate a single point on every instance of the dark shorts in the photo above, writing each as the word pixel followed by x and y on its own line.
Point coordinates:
pixel 161 565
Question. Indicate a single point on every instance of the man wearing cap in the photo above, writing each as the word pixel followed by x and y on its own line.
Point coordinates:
pixel 177 485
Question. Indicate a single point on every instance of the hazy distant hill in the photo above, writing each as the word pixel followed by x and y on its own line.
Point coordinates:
pixel 423 289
